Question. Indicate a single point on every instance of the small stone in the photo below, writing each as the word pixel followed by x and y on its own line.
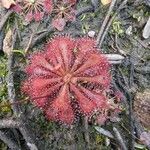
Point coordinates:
pixel 91 34
pixel 129 30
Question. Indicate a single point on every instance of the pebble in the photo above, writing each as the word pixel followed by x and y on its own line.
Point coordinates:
pixel 91 34
pixel 129 30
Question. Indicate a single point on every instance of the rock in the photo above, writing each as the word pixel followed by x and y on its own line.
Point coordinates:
pixel 91 34
pixel 142 107
pixel 129 31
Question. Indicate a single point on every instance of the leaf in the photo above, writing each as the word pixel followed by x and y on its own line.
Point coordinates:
pixel 105 2
pixel 139 146
pixel 114 57
pixel 104 132
pixel 7 48
pixel 60 108
pixel 86 105
pixel 48 5
pixel 146 31
pixel 7 3
pixel 59 23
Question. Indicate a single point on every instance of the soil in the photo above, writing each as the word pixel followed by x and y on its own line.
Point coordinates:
pixel 131 77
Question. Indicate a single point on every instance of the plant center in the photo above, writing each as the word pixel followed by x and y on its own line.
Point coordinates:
pixel 32 1
pixel 67 78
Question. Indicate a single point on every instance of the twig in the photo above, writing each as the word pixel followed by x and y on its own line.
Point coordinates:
pixel 71 137
pixel 10 79
pixel 29 43
pixel 142 43
pixel 9 123
pixel 105 21
pixel 17 29
pixel 8 141
pixel 118 48
pixel 86 133
pixel 31 37
pixel 120 76
pixel 28 135
pixel 84 10
pixel 24 129
pixel 3 21
pixel 143 69
pixel 2 36
pixel 119 139
pixel 41 36
pixel 17 102
pixel 126 88
pixel 130 98
pixel 101 39
pixel 131 121
pixel 115 86
pixel 128 130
